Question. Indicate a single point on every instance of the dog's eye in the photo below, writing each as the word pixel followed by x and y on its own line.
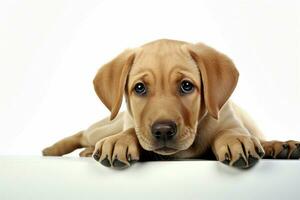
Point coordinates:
pixel 186 87
pixel 140 89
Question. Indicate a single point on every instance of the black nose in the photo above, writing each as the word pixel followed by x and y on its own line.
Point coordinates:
pixel 164 130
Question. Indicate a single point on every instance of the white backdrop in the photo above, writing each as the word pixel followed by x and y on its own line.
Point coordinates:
pixel 50 51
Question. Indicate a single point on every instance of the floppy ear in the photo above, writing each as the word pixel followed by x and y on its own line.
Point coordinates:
pixel 110 80
pixel 219 76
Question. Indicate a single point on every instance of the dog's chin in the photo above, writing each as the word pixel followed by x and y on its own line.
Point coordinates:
pixel 165 151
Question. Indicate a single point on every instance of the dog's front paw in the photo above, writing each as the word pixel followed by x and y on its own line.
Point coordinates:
pixel 118 151
pixel 282 150
pixel 240 151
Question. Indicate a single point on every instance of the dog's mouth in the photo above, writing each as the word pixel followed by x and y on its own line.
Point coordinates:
pixel 165 147
pixel 165 150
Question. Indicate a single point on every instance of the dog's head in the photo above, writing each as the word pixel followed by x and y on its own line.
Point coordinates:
pixel 169 86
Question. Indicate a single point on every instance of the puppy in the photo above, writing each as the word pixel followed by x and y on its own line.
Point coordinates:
pixel 177 97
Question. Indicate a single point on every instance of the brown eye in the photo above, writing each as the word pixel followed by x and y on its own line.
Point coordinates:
pixel 186 87
pixel 140 89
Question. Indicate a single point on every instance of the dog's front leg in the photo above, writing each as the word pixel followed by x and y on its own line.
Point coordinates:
pixel 236 148
pixel 118 151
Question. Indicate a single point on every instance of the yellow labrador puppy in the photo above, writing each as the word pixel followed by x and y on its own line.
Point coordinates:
pixel 177 107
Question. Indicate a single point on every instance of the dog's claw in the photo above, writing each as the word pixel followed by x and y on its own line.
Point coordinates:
pixel 259 152
pixel 240 163
pixel 105 162
pixel 96 155
pixel 227 159
pixel 119 164
pixel 295 154
pixel 226 162
pixel 133 161
pixel 252 161
pixel 284 153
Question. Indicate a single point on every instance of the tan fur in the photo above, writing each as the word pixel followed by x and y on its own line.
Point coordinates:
pixel 206 119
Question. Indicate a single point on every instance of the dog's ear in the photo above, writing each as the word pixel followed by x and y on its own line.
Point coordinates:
pixel 110 81
pixel 219 76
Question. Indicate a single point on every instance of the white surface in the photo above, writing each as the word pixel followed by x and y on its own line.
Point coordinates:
pixel 36 178
pixel 50 51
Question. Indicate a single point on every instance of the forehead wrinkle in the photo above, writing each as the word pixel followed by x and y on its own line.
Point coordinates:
pixel 182 72
pixel 189 75
pixel 172 71
pixel 142 73
pixel 161 75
